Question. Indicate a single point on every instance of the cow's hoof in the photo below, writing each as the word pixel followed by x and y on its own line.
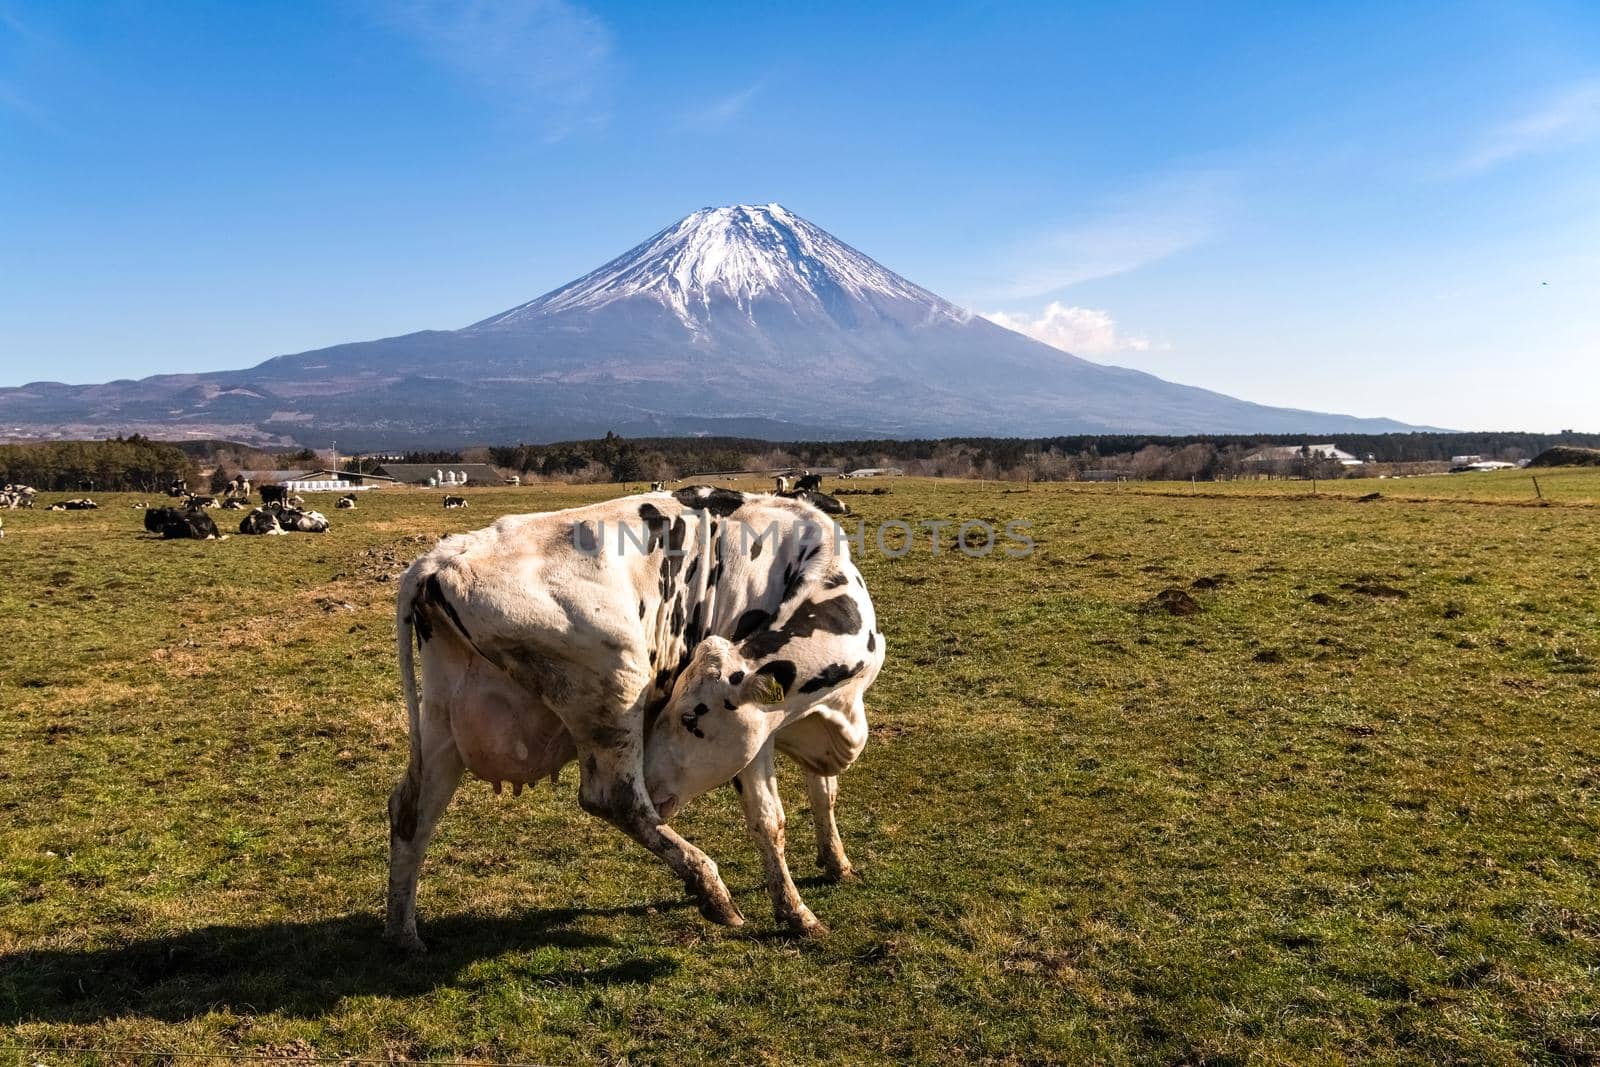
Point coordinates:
pixel 721 912
pixel 804 924
pixel 835 873
pixel 409 943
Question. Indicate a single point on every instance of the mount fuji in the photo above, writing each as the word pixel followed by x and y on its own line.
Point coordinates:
pixel 744 320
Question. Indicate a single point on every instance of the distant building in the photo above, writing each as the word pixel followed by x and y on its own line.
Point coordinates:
pixel 1465 461
pixel 1275 454
pixel 875 472
pixel 439 474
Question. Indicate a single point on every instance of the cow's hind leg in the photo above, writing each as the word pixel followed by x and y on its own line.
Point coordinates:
pixel 418 800
pixel 823 790
pixel 757 785
pixel 612 788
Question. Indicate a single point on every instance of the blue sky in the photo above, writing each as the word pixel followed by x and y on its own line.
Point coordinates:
pixel 1382 209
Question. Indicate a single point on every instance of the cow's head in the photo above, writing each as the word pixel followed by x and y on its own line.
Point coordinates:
pixel 722 710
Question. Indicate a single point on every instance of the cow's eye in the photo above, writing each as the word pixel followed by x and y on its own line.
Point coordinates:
pixel 728 704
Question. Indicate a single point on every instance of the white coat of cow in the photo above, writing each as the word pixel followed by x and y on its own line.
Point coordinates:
pixel 670 643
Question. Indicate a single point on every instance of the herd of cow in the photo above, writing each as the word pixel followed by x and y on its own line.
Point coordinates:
pixel 663 672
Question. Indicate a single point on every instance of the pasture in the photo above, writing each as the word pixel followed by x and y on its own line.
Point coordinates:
pixel 1347 811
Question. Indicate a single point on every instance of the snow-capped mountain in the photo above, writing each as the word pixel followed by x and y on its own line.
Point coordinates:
pixel 745 320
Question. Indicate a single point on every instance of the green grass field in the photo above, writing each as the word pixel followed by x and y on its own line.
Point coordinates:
pixel 1347 812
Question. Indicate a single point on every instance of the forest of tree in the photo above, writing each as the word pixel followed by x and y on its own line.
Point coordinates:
pixel 125 463
pixel 145 465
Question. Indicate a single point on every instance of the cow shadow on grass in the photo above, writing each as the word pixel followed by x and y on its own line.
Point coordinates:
pixel 298 968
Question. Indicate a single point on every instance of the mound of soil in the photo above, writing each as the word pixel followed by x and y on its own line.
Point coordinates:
pixel 1567 456
pixel 1366 588
pixel 1173 601
pixel 1326 600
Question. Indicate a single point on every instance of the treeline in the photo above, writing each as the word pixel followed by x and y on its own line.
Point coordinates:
pixel 134 464
pixel 1145 456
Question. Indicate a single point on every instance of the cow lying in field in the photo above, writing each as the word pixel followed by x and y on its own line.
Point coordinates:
pixel 274 494
pixel 669 643
pixel 261 521
pixel 346 502
pixel 455 501
pixel 295 520
pixel 76 504
pixel 17 496
pixel 180 523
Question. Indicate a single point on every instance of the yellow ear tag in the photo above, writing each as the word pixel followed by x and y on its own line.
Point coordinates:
pixel 769 691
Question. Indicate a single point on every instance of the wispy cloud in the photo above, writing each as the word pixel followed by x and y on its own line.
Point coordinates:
pixel 1569 117
pixel 548 55
pixel 722 111
pixel 1079 330
pixel 1128 232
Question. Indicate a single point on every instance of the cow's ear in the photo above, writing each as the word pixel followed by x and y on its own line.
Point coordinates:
pixel 763 688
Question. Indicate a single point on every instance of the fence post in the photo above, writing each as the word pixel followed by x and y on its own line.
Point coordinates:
pixel 1537 491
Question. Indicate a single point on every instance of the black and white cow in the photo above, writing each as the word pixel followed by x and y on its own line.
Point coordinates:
pixel 808 483
pixel 296 520
pixel 260 522
pixel 76 504
pixel 455 502
pixel 274 494
pixel 669 643
pixel 346 502
pixel 178 524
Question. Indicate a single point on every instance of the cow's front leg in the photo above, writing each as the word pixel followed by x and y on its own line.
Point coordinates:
pixel 823 791
pixel 757 786
pixel 612 788
pixel 418 800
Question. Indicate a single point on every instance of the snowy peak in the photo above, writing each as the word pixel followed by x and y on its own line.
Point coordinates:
pixel 722 258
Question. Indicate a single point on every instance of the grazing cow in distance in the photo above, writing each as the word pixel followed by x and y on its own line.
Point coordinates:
pixel 669 644
pixel 260 521
pixel 346 502
pixel 274 494
pixel 656 487
pixel 455 501
pixel 808 483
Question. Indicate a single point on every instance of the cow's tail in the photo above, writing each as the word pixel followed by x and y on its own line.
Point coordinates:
pixel 405 608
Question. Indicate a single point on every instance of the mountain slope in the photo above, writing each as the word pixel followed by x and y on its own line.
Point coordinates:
pixel 746 320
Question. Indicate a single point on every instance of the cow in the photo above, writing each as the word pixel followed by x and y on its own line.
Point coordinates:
pixel 17 496
pixel 296 520
pixel 667 642
pixel 233 504
pixel 178 489
pixel 346 502
pixel 76 504
pixel 656 487
pixel 195 500
pixel 808 483
pixel 274 494
pixel 455 501
pixel 260 521
pixel 175 524
pixel 782 484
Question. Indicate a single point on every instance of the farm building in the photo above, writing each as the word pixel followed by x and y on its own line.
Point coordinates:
pixel 439 473
pixel 875 472
pixel 1291 453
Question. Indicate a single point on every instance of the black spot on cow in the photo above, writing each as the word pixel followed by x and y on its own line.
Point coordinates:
pixel 836 616
pixel 830 676
pixel 433 593
pixel 691 719
pixel 422 624
pixel 677 617
pixel 656 525
pixel 749 623
pixel 781 671
pixel 736 677
pixel 584 538
pixel 730 705
pixel 663 679
pixel 403 809
pixel 723 502
pixel 641 609
pixel 694 569
pixel 695 631
pixel 835 580
pixel 606 735
pixel 755 548
pixel 872 641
